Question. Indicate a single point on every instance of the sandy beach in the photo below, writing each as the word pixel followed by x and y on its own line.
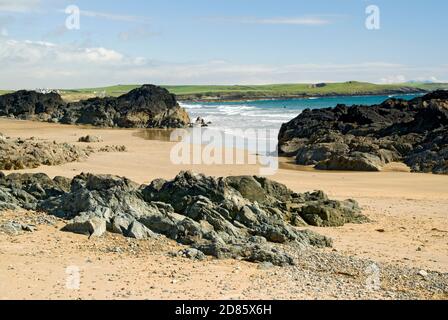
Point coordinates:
pixel 409 228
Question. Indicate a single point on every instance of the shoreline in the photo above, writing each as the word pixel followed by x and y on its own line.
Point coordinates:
pixel 163 135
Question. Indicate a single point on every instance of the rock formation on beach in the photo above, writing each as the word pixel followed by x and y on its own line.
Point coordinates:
pixel 236 217
pixel 365 138
pixel 17 154
pixel 146 107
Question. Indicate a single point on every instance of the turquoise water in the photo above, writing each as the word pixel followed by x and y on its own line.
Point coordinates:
pixel 233 117
pixel 270 113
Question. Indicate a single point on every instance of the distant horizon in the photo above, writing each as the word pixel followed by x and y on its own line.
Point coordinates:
pixel 224 84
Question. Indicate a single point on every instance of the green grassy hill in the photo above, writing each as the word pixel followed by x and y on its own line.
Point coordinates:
pixel 236 92
pixel 241 92
pixel 429 86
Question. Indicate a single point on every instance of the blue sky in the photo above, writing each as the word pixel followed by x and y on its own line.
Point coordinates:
pixel 220 42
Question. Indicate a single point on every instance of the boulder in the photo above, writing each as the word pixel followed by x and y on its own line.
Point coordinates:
pixel 87 225
pixel 332 213
pixel 365 138
pixel 15 228
pixel 313 154
pixel 192 254
pixel 120 224
pixel 356 161
pixel 139 231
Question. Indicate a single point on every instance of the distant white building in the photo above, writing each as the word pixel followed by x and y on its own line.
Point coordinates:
pixel 101 94
pixel 46 90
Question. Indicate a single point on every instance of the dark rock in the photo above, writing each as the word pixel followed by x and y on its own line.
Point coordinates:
pixel 365 138
pixel 192 253
pixel 30 104
pixel 90 139
pixel 235 217
pixel 332 213
pixel 120 224
pixel 26 190
pixel 139 231
pixel 99 195
pixel 146 107
pixel 356 161
pixel 200 122
pixel 87 225
pixel 15 228
pixel 311 155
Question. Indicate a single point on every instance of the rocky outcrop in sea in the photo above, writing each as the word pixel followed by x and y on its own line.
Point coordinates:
pixel 146 107
pixel 366 138
pixel 245 217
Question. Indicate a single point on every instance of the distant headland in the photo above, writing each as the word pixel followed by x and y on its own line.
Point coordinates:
pixel 260 92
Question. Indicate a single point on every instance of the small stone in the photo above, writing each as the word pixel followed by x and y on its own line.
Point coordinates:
pixel 423 273
pixel 192 253
pixel 90 139
pixel 29 228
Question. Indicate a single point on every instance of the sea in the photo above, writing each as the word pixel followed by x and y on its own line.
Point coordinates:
pixel 248 118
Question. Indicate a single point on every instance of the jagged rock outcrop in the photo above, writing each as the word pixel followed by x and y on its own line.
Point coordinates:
pixel 28 190
pixel 146 107
pixel 236 217
pixel 365 138
pixel 30 104
pixel 16 154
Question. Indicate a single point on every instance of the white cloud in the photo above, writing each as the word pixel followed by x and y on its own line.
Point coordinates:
pixel 40 52
pixel 137 33
pixel 427 79
pixel 393 79
pixel 18 6
pixel 305 21
pixel 308 20
pixel 31 64
pixel 114 17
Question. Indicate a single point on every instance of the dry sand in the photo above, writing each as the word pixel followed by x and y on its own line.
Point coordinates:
pixel 409 213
